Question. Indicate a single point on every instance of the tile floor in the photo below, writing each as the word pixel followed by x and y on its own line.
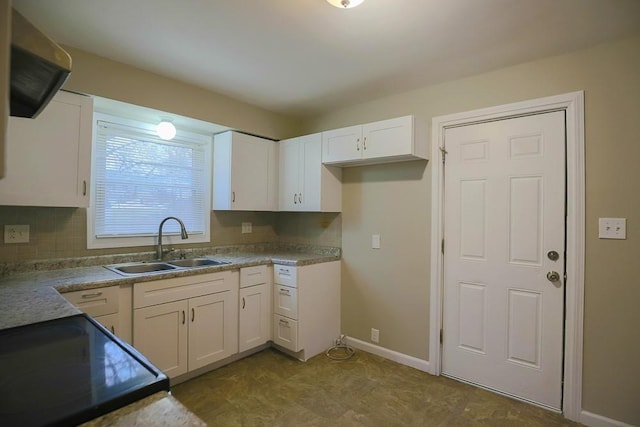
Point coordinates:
pixel 271 389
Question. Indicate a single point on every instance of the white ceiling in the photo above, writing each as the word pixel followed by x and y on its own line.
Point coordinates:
pixel 303 57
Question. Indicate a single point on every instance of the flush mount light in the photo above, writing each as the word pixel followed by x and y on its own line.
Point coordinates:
pixel 345 4
pixel 166 130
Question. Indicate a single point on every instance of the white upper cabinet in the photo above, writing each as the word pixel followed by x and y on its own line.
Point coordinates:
pixel 393 140
pixel 48 159
pixel 305 183
pixel 245 173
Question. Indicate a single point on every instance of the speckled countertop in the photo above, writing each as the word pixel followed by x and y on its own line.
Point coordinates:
pixel 29 293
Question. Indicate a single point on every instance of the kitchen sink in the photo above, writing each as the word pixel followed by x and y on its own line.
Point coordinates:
pixel 138 268
pixel 195 262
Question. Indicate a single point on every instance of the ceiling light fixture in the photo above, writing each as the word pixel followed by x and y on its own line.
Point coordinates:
pixel 166 130
pixel 345 4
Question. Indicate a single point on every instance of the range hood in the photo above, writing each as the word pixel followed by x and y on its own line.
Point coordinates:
pixel 39 67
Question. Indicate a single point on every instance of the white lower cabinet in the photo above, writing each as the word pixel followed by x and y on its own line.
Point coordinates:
pixel 255 307
pixel 111 306
pixel 306 309
pixel 186 323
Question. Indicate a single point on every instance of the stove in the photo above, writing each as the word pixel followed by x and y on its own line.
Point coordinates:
pixel 70 370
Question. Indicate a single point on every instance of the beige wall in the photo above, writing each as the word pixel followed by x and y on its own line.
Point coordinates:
pixel 103 77
pixel 388 289
pixel 61 232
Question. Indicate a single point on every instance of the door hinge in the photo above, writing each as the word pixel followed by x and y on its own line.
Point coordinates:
pixel 444 154
pixel 442 246
pixel 441 336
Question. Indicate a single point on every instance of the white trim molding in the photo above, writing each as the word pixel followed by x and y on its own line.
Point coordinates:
pixel 573 105
pixel 395 356
pixel 594 420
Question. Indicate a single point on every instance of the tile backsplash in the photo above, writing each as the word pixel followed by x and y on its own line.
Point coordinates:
pixel 62 232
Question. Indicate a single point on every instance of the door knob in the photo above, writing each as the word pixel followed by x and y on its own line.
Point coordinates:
pixel 553 255
pixel 553 276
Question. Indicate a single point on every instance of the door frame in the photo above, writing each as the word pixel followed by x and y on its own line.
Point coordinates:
pixel 573 104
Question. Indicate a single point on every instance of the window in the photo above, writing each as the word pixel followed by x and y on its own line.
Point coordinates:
pixel 139 179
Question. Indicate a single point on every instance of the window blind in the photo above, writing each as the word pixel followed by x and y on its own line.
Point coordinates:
pixel 141 179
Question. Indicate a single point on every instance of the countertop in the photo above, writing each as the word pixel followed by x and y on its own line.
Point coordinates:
pixel 34 296
pixel 31 297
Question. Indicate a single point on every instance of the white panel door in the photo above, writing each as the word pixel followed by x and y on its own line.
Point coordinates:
pixel 341 145
pixel 387 138
pixel 160 333
pixel 213 328
pixel 291 164
pixel 255 316
pixel 504 213
pixel 311 180
pixel 249 173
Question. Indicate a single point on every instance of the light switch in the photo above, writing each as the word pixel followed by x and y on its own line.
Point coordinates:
pixel 612 228
pixel 375 241
pixel 246 227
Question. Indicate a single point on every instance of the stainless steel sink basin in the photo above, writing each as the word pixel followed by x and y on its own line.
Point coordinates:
pixel 195 262
pixel 141 268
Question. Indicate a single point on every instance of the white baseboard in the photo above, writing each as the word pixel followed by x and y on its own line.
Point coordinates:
pixel 401 358
pixel 594 420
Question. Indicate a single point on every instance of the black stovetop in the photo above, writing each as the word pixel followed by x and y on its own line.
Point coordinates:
pixel 69 370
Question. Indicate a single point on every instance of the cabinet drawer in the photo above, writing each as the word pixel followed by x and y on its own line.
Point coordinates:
pixel 285 301
pixel 285 332
pixel 250 276
pixel 95 302
pixel 285 275
pixel 161 291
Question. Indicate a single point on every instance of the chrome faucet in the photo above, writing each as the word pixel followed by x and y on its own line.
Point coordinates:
pixel 183 234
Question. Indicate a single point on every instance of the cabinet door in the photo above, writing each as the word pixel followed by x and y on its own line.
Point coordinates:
pixel 160 333
pixel 311 193
pixel 388 138
pixel 249 169
pixel 245 173
pixel 48 159
pixel 255 315
pixel 213 328
pixel 291 169
pixel 111 322
pixel 342 145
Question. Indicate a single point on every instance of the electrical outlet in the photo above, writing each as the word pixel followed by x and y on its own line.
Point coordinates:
pixel 375 335
pixel 612 228
pixel 246 227
pixel 16 234
pixel 375 241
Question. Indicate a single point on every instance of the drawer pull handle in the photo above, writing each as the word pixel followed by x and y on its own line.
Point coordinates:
pixel 84 187
pixel 183 317
pixel 243 303
pixel 113 329
pixel 284 322
pixel 193 314
pixel 92 295
pixel 285 291
pixel 233 200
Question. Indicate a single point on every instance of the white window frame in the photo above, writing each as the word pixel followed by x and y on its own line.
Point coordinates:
pixel 169 239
